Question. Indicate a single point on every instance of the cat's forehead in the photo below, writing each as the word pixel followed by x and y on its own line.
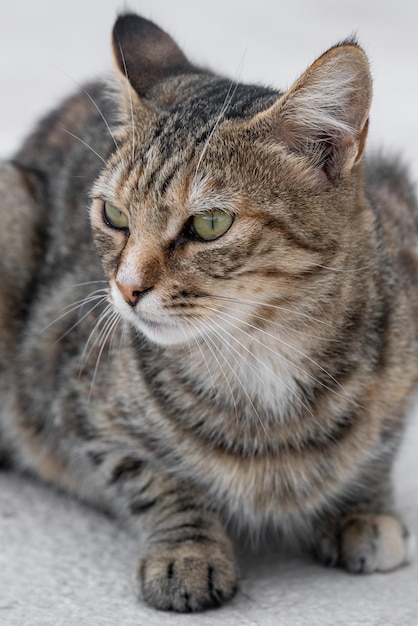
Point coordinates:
pixel 204 104
pixel 211 96
pixel 183 132
pixel 179 134
pixel 177 165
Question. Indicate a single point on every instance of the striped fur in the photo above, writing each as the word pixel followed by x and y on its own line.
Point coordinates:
pixel 256 381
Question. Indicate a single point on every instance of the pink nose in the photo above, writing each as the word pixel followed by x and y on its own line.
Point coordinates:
pixel 131 293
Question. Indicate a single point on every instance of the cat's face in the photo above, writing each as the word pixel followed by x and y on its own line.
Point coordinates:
pixel 190 239
pixel 215 210
pixel 197 238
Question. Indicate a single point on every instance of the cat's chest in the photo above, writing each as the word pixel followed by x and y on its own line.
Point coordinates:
pixel 254 381
pixel 268 487
pixel 233 430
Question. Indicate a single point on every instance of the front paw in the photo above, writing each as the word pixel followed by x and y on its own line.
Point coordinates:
pixel 365 543
pixel 188 577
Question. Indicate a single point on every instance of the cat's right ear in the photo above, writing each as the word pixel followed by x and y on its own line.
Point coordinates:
pixel 323 118
pixel 145 54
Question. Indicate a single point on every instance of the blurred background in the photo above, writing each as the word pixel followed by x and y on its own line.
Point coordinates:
pixel 47 48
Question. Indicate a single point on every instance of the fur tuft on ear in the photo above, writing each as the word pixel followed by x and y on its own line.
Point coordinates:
pixel 324 115
pixel 145 54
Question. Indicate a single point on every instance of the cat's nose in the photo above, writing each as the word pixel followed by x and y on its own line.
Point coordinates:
pixel 132 293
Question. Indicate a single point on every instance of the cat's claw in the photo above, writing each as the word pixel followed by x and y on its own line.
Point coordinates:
pixel 366 543
pixel 187 578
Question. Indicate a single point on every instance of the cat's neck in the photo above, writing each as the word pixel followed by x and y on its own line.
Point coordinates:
pixel 252 373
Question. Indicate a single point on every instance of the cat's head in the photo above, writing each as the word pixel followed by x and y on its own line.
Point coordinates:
pixel 223 200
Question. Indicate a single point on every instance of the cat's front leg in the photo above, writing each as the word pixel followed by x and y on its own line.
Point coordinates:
pixel 188 566
pixel 187 561
pixel 365 543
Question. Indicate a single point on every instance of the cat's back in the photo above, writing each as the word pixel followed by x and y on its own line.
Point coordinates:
pixel 46 239
pixel 75 133
pixel 392 198
pixel 61 159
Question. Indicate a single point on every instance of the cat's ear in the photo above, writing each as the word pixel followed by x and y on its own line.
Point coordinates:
pixel 324 115
pixel 145 54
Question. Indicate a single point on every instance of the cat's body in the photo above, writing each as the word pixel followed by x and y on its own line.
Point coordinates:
pixel 262 373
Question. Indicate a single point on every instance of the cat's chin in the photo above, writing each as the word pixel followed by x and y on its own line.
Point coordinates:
pixel 163 333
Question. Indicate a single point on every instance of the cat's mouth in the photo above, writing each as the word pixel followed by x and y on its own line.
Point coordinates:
pixel 164 331
pixel 150 318
pixel 158 327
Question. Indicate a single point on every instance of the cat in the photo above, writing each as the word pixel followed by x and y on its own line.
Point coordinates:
pixel 209 313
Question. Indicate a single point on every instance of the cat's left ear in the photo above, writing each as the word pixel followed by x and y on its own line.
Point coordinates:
pixel 324 115
pixel 145 54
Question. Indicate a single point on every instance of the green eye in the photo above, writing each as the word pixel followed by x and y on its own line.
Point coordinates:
pixel 211 225
pixel 114 217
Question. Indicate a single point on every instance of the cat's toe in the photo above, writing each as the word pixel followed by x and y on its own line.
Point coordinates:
pixel 366 543
pixel 187 578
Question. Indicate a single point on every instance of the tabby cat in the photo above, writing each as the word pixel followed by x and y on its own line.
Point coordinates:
pixel 231 343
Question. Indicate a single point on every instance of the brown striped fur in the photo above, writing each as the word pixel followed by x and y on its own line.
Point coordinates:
pixel 258 380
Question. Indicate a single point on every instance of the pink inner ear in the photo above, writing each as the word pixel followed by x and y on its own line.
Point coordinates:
pixel 362 140
pixel 145 54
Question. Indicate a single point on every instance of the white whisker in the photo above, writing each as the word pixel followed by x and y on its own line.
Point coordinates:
pixel 228 99
pixel 109 329
pixel 122 335
pixel 88 282
pixel 205 337
pixel 229 348
pixel 204 358
pixel 277 307
pixel 343 270
pixel 285 359
pixel 100 112
pixel 285 327
pixel 265 366
pixel 94 295
pixel 128 86
pixel 84 144
pixel 90 343
pixel 103 118
pixel 73 307
pixel 78 322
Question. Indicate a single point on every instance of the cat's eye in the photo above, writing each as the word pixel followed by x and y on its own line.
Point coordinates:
pixel 114 217
pixel 211 224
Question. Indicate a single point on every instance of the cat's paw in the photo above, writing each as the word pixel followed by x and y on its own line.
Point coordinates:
pixel 365 543
pixel 188 577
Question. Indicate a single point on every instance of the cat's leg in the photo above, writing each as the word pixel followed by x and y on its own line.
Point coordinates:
pixel 365 543
pixel 187 561
pixel 368 535
pixel 189 564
